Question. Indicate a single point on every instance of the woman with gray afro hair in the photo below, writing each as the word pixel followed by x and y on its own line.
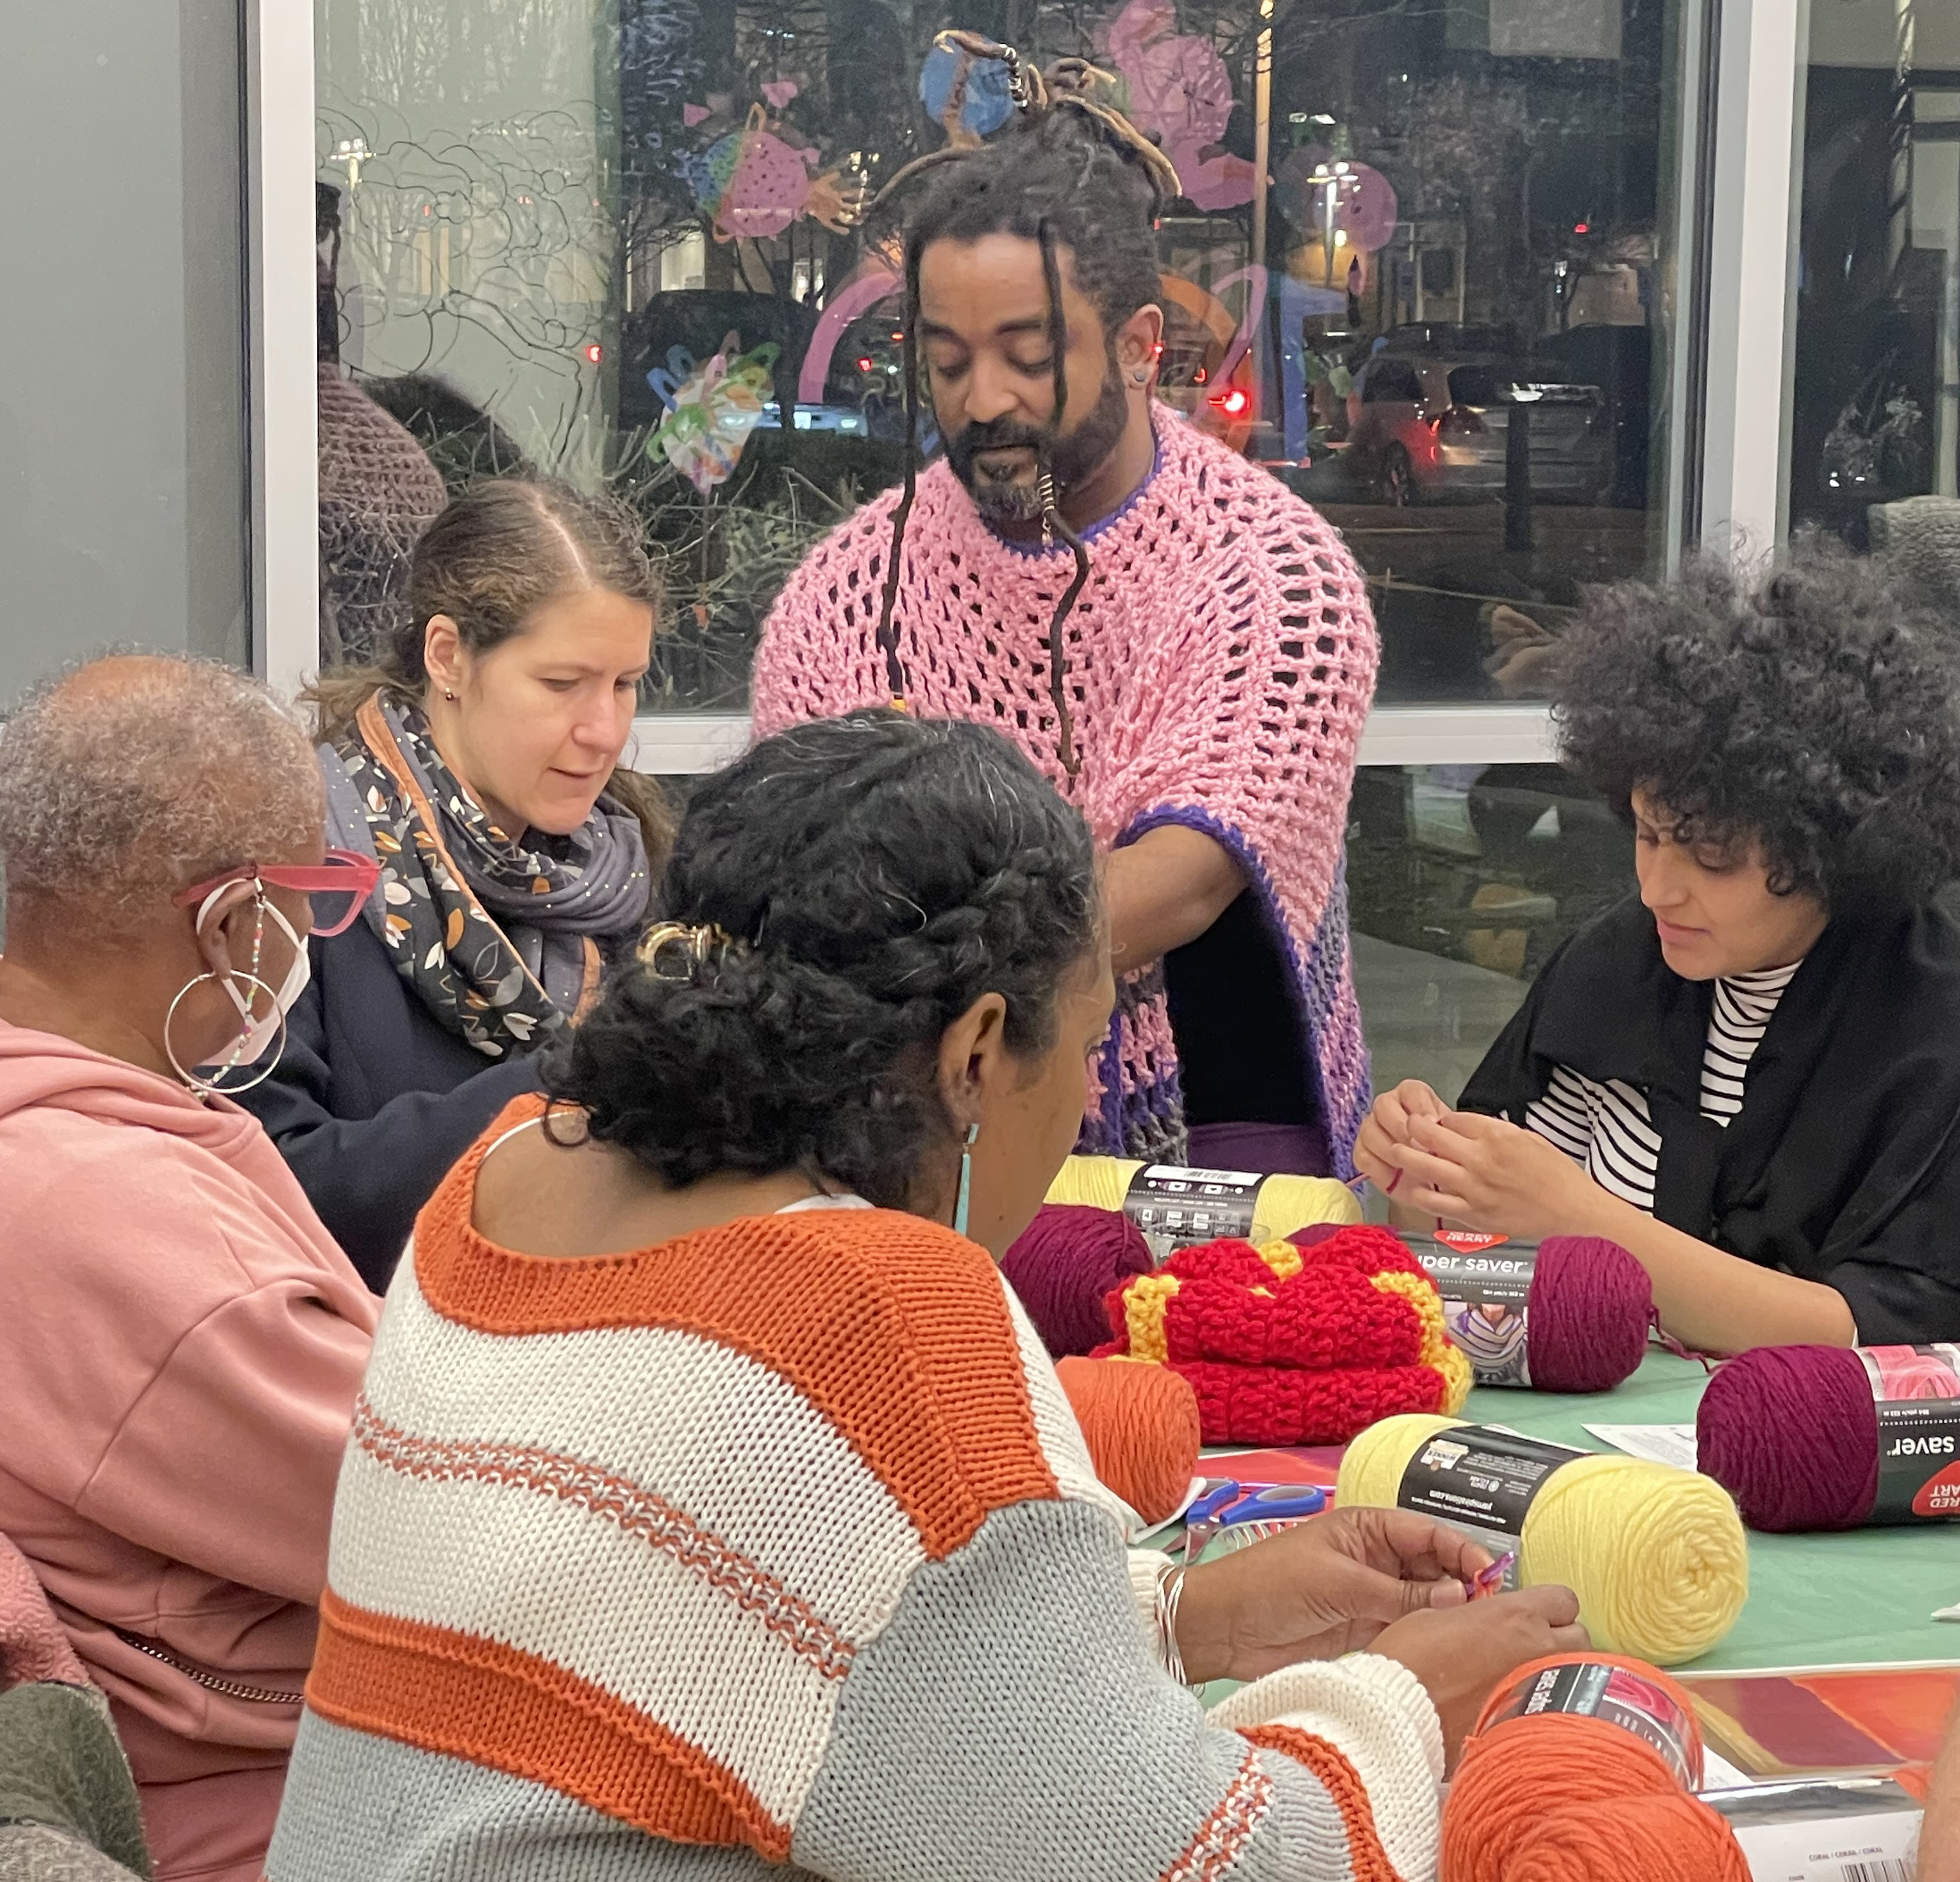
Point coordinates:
pixel 181 1341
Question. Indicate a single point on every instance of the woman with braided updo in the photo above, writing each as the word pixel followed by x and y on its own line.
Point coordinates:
pixel 712 1505
pixel 1178 642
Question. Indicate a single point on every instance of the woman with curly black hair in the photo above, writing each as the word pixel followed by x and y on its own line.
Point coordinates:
pixel 708 1474
pixel 1748 1074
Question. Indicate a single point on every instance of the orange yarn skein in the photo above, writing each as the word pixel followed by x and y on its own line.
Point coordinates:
pixel 1557 1797
pixel 1141 1424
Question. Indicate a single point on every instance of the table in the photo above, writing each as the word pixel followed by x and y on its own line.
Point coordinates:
pixel 1814 1600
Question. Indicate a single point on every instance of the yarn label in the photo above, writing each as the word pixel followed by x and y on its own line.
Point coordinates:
pixel 1916 1390
pixel 1482 1479
pixel 1176 1208
pixel 1840 1830
pixel 1588 1689
pixel 1485 1283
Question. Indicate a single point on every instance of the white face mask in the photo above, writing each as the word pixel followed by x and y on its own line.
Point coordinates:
pixel 260 1033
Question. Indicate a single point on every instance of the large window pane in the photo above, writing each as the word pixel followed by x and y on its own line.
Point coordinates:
pixel 1875 416
pixel 1442 310
pixel 124 512
pixel 1462 880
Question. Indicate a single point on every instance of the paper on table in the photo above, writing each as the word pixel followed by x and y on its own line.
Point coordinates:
pixel 1664 1444
pixel 1718 1774
pixel 1139 1537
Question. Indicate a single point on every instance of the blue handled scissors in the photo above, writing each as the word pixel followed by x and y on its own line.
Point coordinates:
pixel 1232 1502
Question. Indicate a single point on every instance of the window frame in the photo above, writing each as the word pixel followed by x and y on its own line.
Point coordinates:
pixel 282 346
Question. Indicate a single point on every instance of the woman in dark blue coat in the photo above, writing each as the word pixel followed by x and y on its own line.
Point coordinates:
pixel 478 762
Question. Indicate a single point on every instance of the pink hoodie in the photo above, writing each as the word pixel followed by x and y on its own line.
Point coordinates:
pixel 180 1345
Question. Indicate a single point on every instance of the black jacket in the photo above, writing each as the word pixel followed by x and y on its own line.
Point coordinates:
pixel 1843 1166
pixel 373 1100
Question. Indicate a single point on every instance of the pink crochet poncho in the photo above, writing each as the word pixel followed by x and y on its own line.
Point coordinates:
pixel 1219 662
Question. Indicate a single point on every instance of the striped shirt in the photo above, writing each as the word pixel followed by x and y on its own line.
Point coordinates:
pixel 1606 1126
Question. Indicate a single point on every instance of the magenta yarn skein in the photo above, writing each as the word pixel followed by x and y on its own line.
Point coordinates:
pixel 1065 1261
pixel 1792 1433
pixel 1588 1315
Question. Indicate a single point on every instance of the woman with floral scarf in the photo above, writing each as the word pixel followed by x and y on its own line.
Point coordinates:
pixel 478 763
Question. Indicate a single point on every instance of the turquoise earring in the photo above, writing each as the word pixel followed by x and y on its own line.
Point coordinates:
pixel 960 1209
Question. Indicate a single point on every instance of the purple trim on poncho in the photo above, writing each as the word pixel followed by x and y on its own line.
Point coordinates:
pixel 1318 983
pixel 1145 1121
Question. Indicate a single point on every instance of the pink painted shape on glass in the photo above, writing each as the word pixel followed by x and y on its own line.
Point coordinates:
pixel 860 296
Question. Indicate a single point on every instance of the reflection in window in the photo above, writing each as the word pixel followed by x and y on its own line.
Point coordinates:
pixel 1426 276
pixel 1462 879
pixel 1874 422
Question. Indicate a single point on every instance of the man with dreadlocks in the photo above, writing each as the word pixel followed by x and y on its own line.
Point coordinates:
pixel 1181 643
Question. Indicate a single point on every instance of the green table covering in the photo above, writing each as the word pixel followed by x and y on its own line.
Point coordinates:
pixel 1814 1600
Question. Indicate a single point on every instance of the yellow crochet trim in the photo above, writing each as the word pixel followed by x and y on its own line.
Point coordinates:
pixel 1282 1257
pixel 1420 1292
pixel 1145 1304
pixel 1457 1379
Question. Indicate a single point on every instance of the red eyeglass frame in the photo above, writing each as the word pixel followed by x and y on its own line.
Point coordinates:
pixel 345 872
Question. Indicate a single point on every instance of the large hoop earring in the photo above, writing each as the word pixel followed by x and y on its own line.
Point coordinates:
pixel 210 1087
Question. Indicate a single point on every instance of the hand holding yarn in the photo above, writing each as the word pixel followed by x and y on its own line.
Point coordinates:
pixel 1385 1132
pixel 1460 1655
pixel 1494 1175
pixel 1656 1555
pixel 1324 1587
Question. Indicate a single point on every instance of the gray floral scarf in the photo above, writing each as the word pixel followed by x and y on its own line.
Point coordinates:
pixel 499 936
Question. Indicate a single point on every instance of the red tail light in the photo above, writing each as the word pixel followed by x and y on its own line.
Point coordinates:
pixel 1457 422
pixel 1233 402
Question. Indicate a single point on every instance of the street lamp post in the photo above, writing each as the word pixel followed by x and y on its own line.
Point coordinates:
pixel 1333 180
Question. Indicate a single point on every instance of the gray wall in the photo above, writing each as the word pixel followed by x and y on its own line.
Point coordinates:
pixel 122 437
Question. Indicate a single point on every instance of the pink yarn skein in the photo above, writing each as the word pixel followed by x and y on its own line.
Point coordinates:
pixel 1065 1261
pixel 1792 1433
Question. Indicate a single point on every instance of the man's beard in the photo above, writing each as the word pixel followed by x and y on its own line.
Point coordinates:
pixel 1073 457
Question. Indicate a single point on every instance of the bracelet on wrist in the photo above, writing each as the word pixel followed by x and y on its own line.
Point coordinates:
pixel 1170 1591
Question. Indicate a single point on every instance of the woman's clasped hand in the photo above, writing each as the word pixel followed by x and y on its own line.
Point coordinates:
pixel 1389 1582
pixel 1482 1172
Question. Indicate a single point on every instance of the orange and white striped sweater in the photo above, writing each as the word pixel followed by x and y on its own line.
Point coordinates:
pixel 777 1544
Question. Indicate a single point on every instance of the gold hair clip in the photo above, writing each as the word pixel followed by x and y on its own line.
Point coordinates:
pixel 697 943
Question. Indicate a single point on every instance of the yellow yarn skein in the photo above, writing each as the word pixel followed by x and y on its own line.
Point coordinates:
pixel 1285 1203
pixel 1657 1556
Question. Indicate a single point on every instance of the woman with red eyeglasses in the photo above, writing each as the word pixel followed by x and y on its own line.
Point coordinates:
pixel 181 1341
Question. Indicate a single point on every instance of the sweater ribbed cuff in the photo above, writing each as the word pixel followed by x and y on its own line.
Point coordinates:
pixel 1374 1712
pixel 1145 1567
